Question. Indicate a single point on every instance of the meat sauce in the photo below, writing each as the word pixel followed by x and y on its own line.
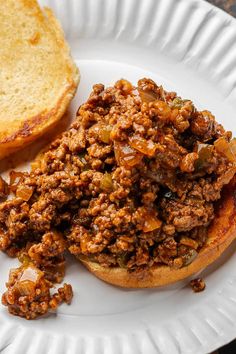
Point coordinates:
pixel 131 184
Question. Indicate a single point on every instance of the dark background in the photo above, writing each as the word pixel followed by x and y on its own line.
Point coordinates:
pixel 230 7
pixel 227 5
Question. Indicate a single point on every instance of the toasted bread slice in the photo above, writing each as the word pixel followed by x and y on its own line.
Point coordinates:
pixel 221 233
pixel 38 76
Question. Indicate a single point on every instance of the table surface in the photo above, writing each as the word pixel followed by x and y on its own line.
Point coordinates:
pixel 230 7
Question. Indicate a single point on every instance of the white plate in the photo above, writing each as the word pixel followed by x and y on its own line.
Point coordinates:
pixel 188 46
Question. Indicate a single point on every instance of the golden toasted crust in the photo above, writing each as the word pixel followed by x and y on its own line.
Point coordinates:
pixel 38 76
pixel 220 235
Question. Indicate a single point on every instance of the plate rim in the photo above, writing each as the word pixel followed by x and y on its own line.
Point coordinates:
pixel 223 337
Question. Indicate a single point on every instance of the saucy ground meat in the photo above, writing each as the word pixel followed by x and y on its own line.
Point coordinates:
pixel 197 285
pixel 3 189
pixel 28 294
pixel 132 184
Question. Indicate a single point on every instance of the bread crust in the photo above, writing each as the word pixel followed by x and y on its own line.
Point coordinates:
pixel 22 129
pixel 221 233
pixel 36 126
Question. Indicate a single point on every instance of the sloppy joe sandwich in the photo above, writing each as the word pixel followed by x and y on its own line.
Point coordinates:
pixel 159 204
pixel 141 189
pixel 38 76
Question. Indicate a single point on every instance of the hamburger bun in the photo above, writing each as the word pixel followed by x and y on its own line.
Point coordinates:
pixel 221 233
pixel 38 76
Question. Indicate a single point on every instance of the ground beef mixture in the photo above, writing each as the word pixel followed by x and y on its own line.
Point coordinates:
pixel 197 285
pixel 28 293
pixel 132 184
pixel 4 190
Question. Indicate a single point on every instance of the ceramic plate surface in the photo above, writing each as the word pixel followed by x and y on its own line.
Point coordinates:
pixel 187 46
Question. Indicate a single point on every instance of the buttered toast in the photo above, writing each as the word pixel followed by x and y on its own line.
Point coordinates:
pixel 38 77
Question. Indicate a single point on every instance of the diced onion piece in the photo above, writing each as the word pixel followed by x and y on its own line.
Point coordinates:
pixel 151 222
pixel 26 287
pixel 204 148
pixel 146 147
pixel 126 155
pixel 147 95
pixel 15 179
pixel 104 133
pixel 14 175
pixel 32 274
pixel 226 177
pixel 189 242
pixel 28 280
pixel 106 182
pixel 24 192
pixel 205 152
pixel 224 148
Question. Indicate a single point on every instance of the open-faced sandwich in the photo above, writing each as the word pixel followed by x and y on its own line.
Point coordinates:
pixel 153 210
pixel 141 189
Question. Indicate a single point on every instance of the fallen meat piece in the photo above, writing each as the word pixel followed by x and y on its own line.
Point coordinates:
pixel 28 293
pixel 197 285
